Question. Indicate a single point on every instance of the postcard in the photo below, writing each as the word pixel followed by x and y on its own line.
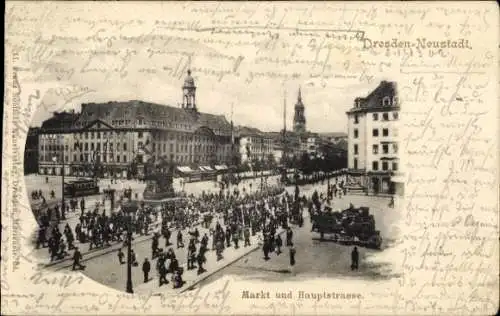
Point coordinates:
pixel 250 158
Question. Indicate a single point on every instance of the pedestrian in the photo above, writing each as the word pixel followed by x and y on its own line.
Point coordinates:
pixel 289 235
pixel 201 259
pixel 279 243
pixel 265 248
pixel 77 256
pixel 391 203
pixel 180 242
pixel 163 274
pixel 228 237
pixel 120 256
pixel 354 259
pixel 154 246
pixel 292 255
pixel 146 267
pixel 246 234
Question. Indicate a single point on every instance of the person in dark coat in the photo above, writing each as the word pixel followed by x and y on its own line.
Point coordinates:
pixel 77 256
pixel 180 242
pixel 289 236
pixel 201 260
pixel 120 256
pixel 154 246
pixel 265 248
pixel 354 259
pixel 292 255
pixel 246 234
pixel 163 274
pixel 146 267
pixel 279 244
pixel 228 237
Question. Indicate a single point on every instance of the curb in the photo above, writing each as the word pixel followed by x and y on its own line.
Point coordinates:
pixel 96 253
pixel 204 277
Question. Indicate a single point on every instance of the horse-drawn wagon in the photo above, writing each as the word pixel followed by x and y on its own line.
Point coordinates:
pixel 350 226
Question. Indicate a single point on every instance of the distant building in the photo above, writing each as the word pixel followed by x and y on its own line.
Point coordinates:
pixel 334 138
pixel 31 151
pixel 116 135
pixel 373 139
pixel 253 144
pixel 55 139
pixel 299 118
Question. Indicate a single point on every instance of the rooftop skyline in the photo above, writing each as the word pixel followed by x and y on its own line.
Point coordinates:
pixel 260 108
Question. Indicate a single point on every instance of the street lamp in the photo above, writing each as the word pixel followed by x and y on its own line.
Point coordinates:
pixel 129 208
pixel 62 175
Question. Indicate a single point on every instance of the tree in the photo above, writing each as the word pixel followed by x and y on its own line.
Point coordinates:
pixel 305 164
pixel 271 162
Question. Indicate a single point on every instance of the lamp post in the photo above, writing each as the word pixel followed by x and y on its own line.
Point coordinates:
pixel 62 176
pixel 262 164
pixel 129 208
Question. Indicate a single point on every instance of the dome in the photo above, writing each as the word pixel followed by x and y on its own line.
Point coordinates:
pixel 189 81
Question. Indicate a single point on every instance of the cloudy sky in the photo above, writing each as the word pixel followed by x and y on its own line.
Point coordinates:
pixel 68 74
pixel 254 106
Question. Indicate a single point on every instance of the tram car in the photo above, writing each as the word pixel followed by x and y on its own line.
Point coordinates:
pixel 81 187
pixel 353 226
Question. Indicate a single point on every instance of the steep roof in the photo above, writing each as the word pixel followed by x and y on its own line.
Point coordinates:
pixel 243 131
pixel 126 114
pixel 59 121
pixel 375 100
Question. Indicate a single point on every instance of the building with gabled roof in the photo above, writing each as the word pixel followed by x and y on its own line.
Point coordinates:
pixel 373 153
pixel 117 134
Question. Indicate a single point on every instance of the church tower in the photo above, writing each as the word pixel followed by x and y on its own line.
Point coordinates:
pixel 299 119
pixel 189 93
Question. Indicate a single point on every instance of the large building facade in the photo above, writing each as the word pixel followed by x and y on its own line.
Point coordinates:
pixel 373 148
pixel 118 135
pixel 254 144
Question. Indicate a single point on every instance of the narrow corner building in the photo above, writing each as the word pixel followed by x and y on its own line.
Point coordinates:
pixel 373 148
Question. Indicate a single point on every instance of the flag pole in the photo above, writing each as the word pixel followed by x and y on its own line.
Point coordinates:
pixel 62 174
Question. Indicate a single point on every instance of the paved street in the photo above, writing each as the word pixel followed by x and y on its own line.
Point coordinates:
pixel 315 259
pixel 37 182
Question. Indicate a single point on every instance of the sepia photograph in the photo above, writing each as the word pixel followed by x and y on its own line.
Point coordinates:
pixel 143 196
pixel 250 158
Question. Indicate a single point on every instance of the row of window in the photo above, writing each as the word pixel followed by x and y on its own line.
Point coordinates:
pixel 51 147
pixel 85 157
pixel 375 149
pixel 385 166
pixel 375 132
pixel 375 165
pixel 140 134
pixel 375 116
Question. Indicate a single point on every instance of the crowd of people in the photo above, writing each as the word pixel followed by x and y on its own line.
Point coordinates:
pixel 230 219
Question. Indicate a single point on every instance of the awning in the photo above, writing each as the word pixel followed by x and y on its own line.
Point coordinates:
pixel 184 169
pixel 217 167
pixel 208 168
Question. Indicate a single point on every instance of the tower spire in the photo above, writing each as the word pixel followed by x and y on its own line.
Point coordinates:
pixel 232 126
pixel 300 95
